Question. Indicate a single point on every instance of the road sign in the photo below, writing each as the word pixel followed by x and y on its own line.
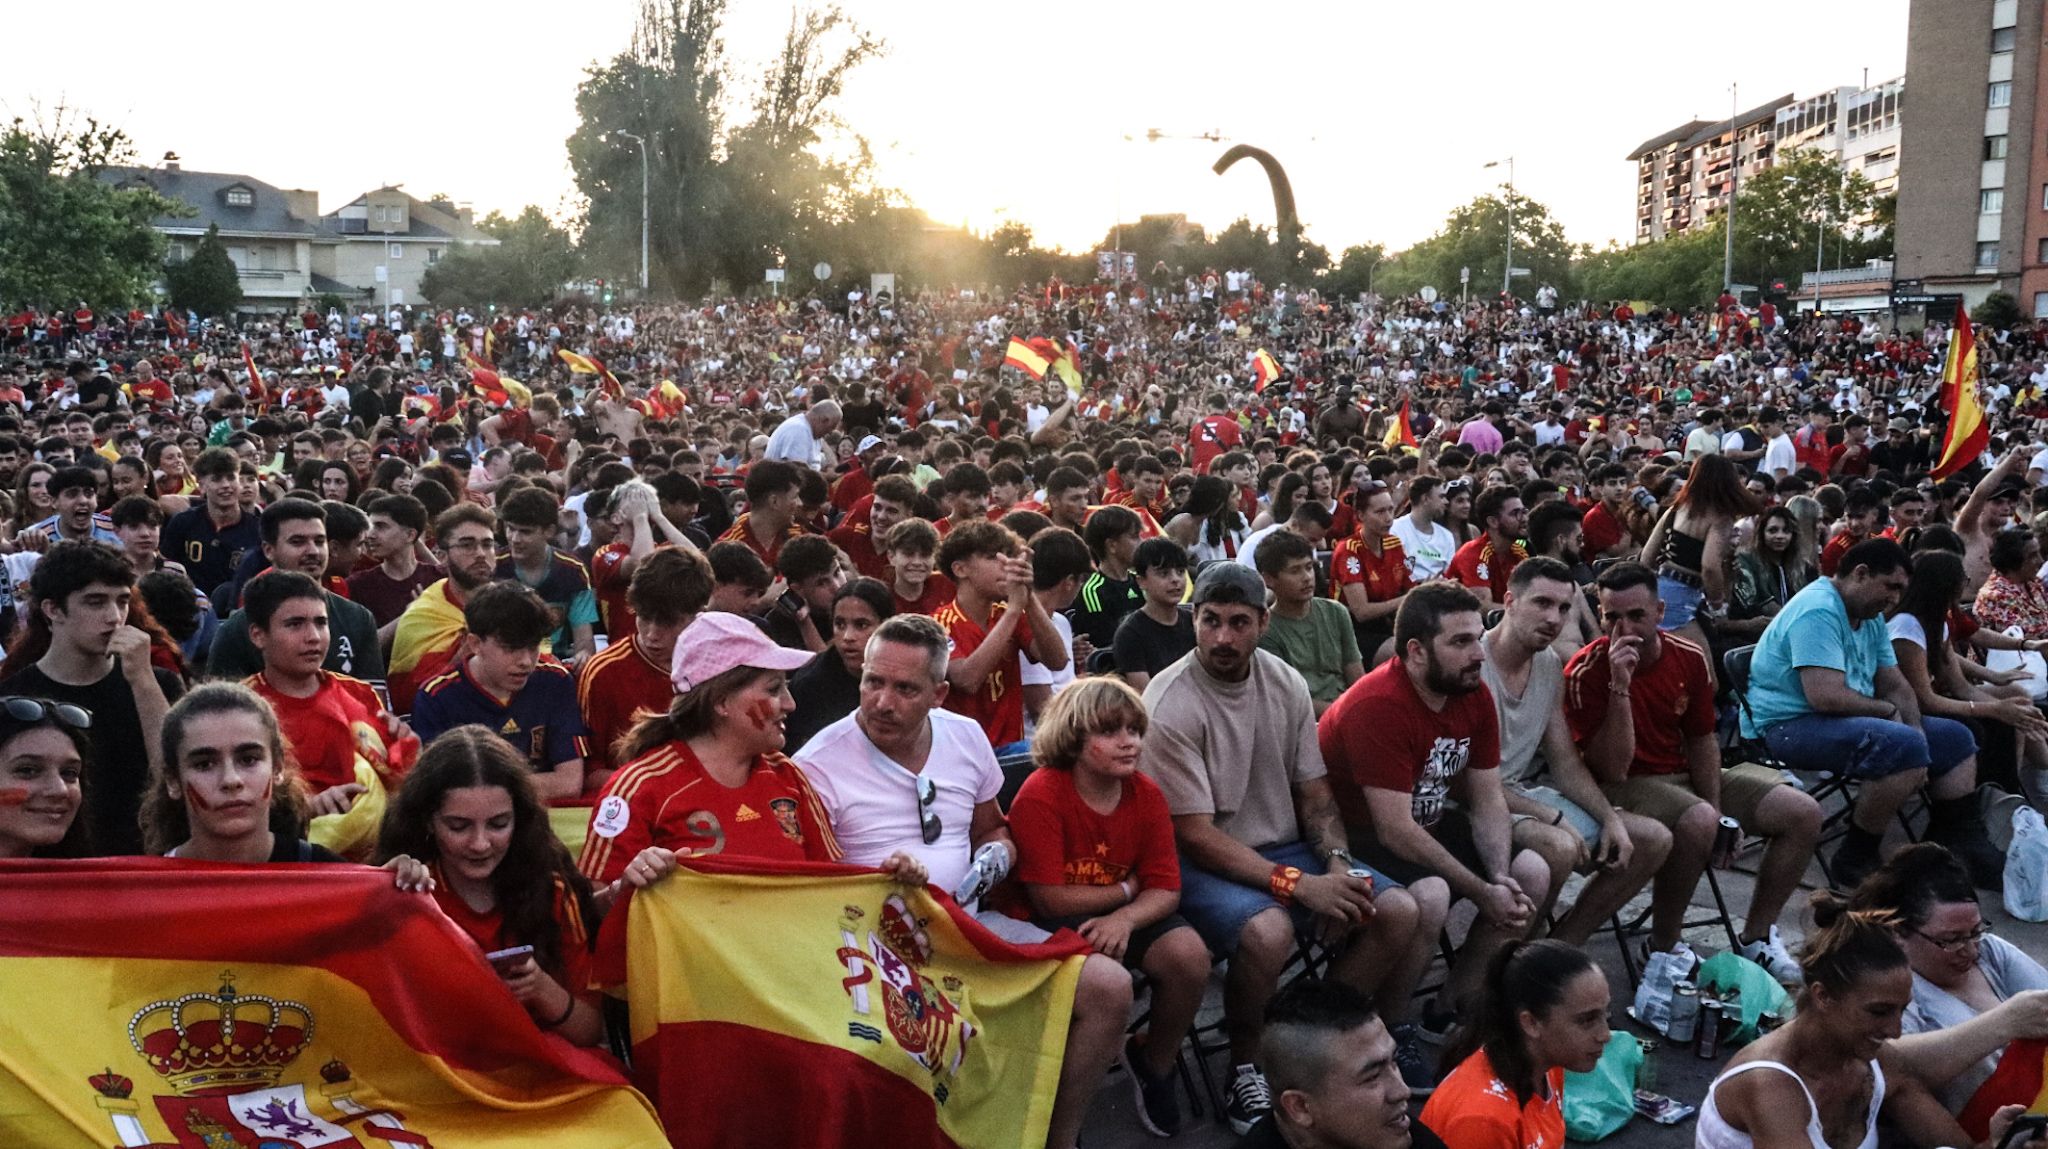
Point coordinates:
pixel 1464 275
pixel 776 275
pixel 1518 272
pixel 823 271
pixel 1428 294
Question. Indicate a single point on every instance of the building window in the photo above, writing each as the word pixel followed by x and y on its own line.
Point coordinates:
pixel 2004 39
pixel 2041 305
pixel 433 255
pixel 1994 147
pixel 2041 252
pixel 377 213
pixel 398 249
pixel 1990 201
pixel 2001 94
pixel 1987 254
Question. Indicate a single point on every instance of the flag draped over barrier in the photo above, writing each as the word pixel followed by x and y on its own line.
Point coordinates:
pixel 812 1005
pixel 180 1005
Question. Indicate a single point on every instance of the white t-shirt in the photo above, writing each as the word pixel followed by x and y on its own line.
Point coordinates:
pixel 1903 626
pixel 1247 553
pixel 872 800
pixel 793 441
pixel 1428 554
pixel 1779 455
pixel 1031 673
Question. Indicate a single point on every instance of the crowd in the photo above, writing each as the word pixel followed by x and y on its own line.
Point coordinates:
pixel 1287 625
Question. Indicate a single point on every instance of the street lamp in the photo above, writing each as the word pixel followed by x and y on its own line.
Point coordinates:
pixel 1507 274
pixel 643 210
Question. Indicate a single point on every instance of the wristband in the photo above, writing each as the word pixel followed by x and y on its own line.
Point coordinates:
pixel 565 1014
pixel 1282 883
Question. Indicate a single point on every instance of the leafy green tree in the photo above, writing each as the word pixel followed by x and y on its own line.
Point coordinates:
pixel 66 235
pixel 1999 310
pixel 207 282
pixel 531 261
pixel 1356 271
pixel 1475 235
pixel 1804 201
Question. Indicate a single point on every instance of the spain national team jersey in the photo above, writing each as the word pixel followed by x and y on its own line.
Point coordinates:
pixel 742 531
pixel 1384 577
pixel 608 582
pixel 999 705
pixel 541 721
pixel 1478 566
pixel 666 798
pixel 615 688
pixel 320 730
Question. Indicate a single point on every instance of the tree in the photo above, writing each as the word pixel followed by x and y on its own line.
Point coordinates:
pixel 66 235
pixel 1999 310
pixel 1356 271
pixel 529 265
pixel 207 282
pixel 1802 208
pixel 1475 236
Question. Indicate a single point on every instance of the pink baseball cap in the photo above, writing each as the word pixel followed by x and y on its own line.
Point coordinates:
pixel 716 642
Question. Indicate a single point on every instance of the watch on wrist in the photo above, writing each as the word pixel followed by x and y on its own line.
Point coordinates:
pixel 1339 853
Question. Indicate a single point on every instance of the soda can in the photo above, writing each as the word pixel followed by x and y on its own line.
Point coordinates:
pixel 1646 1071
pixel 1685 1013
pixel 1726 839
pixel 1362 872
pixel 1707 1042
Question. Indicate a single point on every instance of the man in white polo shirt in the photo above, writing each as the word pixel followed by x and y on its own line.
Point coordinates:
pixel 902 774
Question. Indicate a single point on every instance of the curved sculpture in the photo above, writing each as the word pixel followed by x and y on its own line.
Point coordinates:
pixel 1283 192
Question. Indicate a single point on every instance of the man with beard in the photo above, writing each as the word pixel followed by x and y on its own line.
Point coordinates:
pixel 1414 754
pixel 1555 532
pixel 1263 852
pixel 430 631
pixel 294 534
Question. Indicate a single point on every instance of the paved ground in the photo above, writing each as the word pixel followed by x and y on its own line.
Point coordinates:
pixel 1680 1074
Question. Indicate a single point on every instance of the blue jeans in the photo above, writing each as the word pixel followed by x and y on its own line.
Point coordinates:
pixel 1870 747
pixel 1218 907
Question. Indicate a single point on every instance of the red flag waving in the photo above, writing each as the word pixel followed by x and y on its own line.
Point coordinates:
pixel 1968 431
pixel 258 394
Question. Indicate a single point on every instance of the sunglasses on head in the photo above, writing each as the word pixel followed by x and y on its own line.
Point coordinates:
pixel 927 819
pixel 24 709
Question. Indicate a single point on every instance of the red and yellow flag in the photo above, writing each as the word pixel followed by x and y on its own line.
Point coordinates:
pixel 830 1008
pixel 184 1005
pixel 586 366
pixel 258 394
pixel 1264 369
pixel 1021 356
pixel 2020 1079
pixel 1968 432
pixel 1400 432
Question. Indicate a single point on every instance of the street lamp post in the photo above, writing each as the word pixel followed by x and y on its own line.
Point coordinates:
pixel 1734 178
pixel 643 209
pixel 1507 274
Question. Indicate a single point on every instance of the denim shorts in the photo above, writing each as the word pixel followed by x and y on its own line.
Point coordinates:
pixel 1681 602
pixel 1870 747
pixel 1575 815
pixel 1219 907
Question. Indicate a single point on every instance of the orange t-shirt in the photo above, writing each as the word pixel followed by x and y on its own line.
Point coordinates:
pixel 1474 1109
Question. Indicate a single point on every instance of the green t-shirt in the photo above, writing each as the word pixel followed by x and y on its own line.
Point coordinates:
pixel 1319 647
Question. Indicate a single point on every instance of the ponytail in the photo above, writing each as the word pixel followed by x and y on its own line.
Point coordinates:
pixel 1523 976
pixel 1849 945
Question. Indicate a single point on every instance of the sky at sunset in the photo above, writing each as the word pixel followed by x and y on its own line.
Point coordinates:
pixel 1384 114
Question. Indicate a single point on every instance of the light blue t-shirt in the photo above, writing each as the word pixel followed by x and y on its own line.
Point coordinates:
pixel 1812 630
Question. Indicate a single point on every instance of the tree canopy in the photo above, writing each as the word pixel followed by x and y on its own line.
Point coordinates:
pixel 531 262
pixel 65 235
pixel 206 282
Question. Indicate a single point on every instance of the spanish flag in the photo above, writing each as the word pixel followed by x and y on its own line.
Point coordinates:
pixel 1264 369
pixel 258 394
pixel 2020 1079
pixel 186 1005
pixel 582 366
pixel 1400 432
pixel 1066 363
pixel 429 634
pixel 830 1008
pixel 1021 356
pixel 1968 432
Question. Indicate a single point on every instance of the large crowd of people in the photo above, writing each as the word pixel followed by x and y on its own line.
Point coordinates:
pixel 1263 624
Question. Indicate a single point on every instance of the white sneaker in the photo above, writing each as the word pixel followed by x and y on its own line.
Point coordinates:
pixel 1769 952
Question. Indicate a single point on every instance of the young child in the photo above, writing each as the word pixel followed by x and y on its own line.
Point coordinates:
pixel 910 547
pixel 1096 854
pixel 1312 635
pixel 1157 634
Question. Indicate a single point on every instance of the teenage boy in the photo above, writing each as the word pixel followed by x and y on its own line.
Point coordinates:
pixel 1159 633
pixel 967 491
pixel 1485 564
pixel 891 503
pixel 429 633
pixel 138 525
pixel 531 517
pixel 1369 572
pixel 210 539
pixel 810 567
pixel 1604 529
pixel 385 590
pixel 1426 543
pixel 739 579
pixel 294 534
pixel 499 681
pixel 1059 561
pixel 773 487
pixel 1312 635
pixel 327 718
pixel 1110 592
pixel 634 512
pixel 912 547
pixel 992 619
pixel 668 592
pixel 99 662
pixel 76 491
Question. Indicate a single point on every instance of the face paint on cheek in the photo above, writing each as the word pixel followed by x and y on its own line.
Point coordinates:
pixel 763 712
pixel 13 796
pixel 196 800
